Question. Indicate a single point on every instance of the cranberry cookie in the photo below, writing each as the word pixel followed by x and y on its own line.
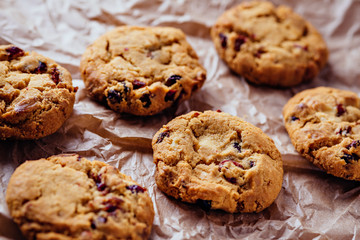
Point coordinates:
pixel 36 94
pixel 269 45
pixel 218 161
pixel 69 197
pixel 141 70
pixel 324 126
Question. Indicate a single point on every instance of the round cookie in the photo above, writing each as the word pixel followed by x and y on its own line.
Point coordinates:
pixel 218 161
pixel 324 126
pixel 69 197
pixel 141 70
pixel 269 45
pixel 36 94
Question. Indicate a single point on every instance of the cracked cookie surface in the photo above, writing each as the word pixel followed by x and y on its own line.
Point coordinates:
pixel 36 94
pixel 324 126
pixel 69 197
pixel 269 45
pixel 218 161
pixel 141 70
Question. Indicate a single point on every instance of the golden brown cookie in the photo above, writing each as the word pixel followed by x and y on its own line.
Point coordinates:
pixel 269 45
pixel 36 94
pixel 218 161
pixel 324 126
pixel 69 197
pixel 141 70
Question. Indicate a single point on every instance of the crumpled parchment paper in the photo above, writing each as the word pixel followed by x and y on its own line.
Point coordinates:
pixel 311 204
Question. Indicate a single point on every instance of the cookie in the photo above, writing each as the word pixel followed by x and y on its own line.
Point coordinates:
pixel 269 45
pixel 69 197
pixel 36 94
pixel 141 70
pixel 324 126
pixel 217 160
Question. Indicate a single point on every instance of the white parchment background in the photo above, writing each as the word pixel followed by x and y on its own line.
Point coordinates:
pixel 311 204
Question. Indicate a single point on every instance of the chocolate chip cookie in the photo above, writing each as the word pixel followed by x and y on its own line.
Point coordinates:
pixel 141 70
pixel 269 45
pixel 36 94
pixel 218 161
pixel 69 197
pixel 324 126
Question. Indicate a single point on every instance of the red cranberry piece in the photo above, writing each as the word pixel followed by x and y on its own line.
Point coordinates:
pixel 162 136
pixel 126 88
pixel 135 188
pixel 114 96
pixel 42 68
pixel 78 158
pixel 219 110
pixel 259 52
pixel 340 110
pixel 240 40
pixel 204 204
pixel 344 131
pixel 353 144
pixel 237 146
pixel 76 89
pixel 252 164
pixel 223 40
pixel 146 99
pixel 93 225
pixel 350 157
pixel 14 52
pixel 305 48
pixel 196 114
pixel 112 204
pixel 170 95
pixel 138 84
pixel 172 80
pixel 101 186
pixel 293 118
pixel 55 75
pixel 231 180
pixel 221 165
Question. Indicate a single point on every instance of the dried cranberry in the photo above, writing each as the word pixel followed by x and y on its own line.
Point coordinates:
pixel 259 52
pixel 231 180
pixel 42 68
pixel 293 118
pixel 162 136
pixel 252 164
pixel 101 186
pixel 350 157
pixel 219 110
pixel 223 40
pixel 237 146
pixel 126 88
pixel 305 48
pixel 112 204
pixel 93 225
pixel 240 40
pixel 196 114
pixel 135 188
pixel 340 110
pixel 114 96
pixel 170 95
pixel 344 131
pixel 146 99
pixel 172 80
pixel 221 164
pixel 138 84
pixel 204 204
pixel 14 52
pixel 55 75
pixel 353 144
pixel 76 89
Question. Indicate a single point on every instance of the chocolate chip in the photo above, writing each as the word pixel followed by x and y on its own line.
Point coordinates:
pixel 240 40
pixel 114 96
pixel 237 146
pixel 138 84
pixel 14 52
pixel 145 98
pixel 162 136
pixel 170 95
pixel 42 68
pixel 126 88
pixel 55 75
pixel 135 188
pixel 172 80
pixel 340 110
pixel 223 40
pixel 204 204
pixel 93 225
pixel 252 164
